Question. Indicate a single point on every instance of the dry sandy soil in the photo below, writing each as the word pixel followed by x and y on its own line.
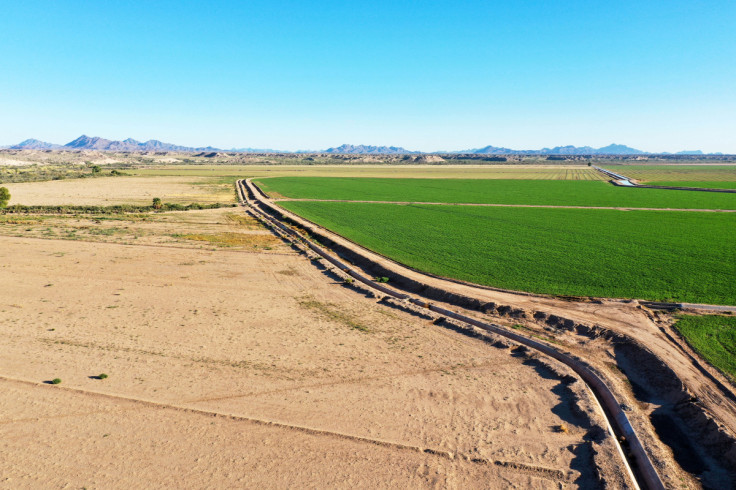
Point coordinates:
pixel 106 191
pixel 244 365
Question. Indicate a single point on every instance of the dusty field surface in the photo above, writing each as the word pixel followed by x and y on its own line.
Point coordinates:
pixel 234 365
pixel 206 229
pixel 106 191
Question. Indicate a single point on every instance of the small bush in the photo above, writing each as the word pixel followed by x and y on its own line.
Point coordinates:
pixel 349 280
pixel 4 196
pixel 380 279
pixel 102 376
pixel 55 381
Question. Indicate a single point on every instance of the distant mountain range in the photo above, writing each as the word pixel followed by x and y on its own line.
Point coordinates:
pixel 368 150
pixel 85 142
pixel 558 150
pixel 33 144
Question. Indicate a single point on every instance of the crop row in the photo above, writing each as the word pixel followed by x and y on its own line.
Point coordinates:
pixel 656 255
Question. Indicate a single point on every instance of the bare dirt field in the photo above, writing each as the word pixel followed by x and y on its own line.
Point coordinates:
pixel 234 365
pixel 205 229
pixel 106 191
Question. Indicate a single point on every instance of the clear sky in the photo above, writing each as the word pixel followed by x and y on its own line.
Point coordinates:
pixel 659 75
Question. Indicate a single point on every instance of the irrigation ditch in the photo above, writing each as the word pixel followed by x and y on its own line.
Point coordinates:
pixel 693 438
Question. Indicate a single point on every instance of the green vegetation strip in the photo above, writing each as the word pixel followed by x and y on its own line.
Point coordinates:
pixel 661 256
pixel 486 191
pixel 714 337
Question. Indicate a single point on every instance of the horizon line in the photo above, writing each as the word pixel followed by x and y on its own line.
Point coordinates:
pixel 399 149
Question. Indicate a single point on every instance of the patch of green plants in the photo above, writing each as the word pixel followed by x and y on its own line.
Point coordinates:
pixel 4 196
pixel 655 255
pixel 102 376
pixel 56 381
pixel 493 191
pixel 714 337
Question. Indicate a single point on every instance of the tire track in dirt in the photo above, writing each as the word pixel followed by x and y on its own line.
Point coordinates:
pixel 352 381
pixel 554 475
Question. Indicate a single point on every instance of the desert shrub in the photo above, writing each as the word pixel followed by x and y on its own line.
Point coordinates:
pixel 102 376
pixel 56 381
pixel 4 196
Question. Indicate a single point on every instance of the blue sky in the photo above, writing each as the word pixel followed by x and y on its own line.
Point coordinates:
pixel 430 75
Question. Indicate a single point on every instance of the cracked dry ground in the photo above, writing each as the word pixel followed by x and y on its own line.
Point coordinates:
pixel 252 367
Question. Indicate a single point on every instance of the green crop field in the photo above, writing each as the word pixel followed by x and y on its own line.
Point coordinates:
pixel 714 337
pixel 656 255
pixel 714 176
pixel 493 191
